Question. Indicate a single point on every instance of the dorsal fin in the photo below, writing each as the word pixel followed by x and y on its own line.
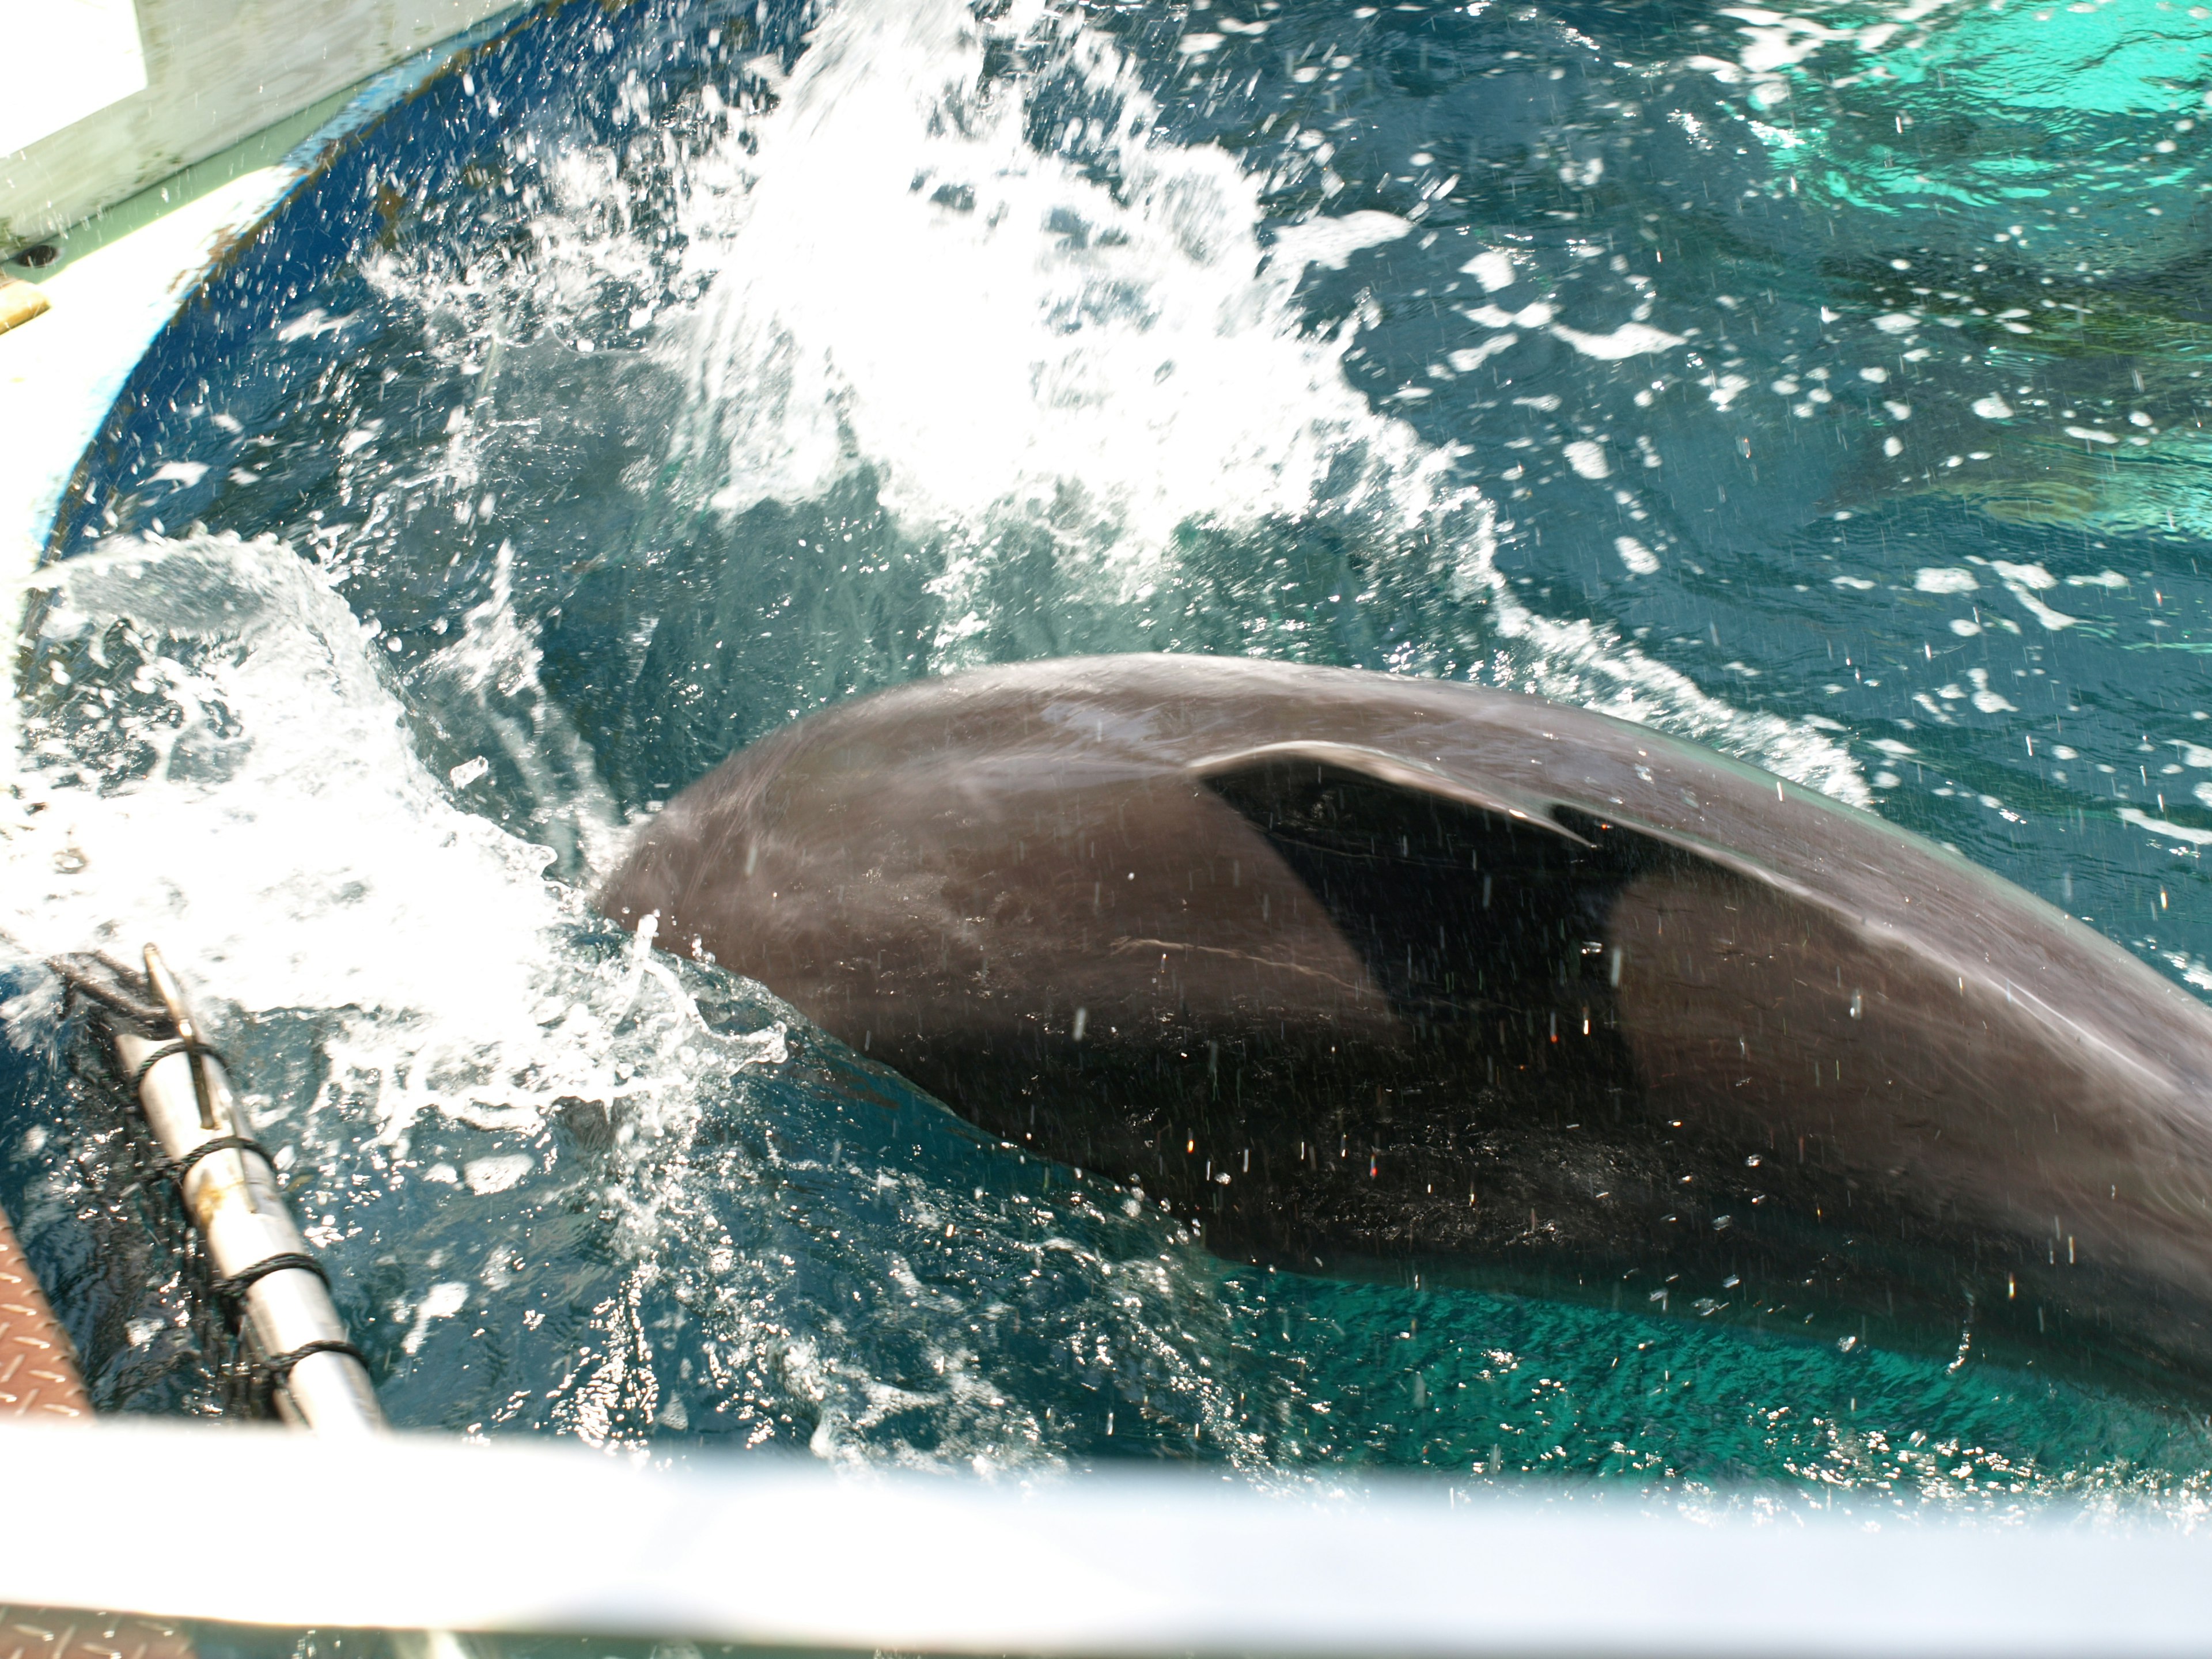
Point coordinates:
pixel 1465 901
pixel 1380 766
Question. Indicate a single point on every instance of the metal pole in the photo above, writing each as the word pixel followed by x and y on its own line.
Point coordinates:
pixel 233 1194
pixel 289 1330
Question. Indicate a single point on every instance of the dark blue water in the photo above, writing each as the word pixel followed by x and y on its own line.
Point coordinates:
pixel 1825 385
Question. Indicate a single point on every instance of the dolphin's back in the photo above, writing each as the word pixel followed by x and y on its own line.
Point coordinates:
pixel 1354 971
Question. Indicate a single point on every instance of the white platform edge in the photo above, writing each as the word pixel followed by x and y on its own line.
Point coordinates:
pixel 522 1536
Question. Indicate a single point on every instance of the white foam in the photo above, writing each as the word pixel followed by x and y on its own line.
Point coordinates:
pixel 1331 242
pixel 1493 268
pixel 1944 578
pixel 1629 340
pixel 1588 457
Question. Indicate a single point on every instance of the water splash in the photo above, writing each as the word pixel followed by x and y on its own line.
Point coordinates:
pixel 1092 346
pixel 219 763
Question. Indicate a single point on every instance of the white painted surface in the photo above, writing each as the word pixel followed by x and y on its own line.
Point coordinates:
pixel 536 1535
pixel 213 71
pixel 97 39
pixel 61 374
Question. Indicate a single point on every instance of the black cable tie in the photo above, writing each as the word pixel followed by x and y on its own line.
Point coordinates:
pixel 138 1077
pixel 279 1367
pixel 246 1277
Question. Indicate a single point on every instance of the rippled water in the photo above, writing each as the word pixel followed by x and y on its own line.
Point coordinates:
pixel 1823 385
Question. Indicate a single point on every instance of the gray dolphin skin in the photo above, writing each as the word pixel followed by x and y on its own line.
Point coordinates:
pixel 1367 974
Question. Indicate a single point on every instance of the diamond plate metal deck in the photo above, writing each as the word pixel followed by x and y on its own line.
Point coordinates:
pixel 46 1633
pixel 38 1368
pixel 38 1379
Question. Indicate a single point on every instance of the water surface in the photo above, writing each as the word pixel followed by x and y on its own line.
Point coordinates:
pixel 1825 385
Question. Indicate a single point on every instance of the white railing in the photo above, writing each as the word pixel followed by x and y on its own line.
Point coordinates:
pixel 262 1526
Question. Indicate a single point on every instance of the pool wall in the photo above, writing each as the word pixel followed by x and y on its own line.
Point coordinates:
pixel 131 276
pixel 352 183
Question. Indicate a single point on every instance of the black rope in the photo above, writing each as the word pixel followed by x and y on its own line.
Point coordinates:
pixel 115 988
pixel 180 1047
pixel 245 1278
pixel 278 1367
pixel 177 1169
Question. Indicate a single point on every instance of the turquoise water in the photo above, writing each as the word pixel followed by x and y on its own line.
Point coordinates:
pixel 1825 385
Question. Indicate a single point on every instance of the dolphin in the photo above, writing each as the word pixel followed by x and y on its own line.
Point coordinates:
pixel 1363 975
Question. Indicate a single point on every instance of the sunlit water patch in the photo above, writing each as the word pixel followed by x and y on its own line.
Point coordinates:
pixel 1612 354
